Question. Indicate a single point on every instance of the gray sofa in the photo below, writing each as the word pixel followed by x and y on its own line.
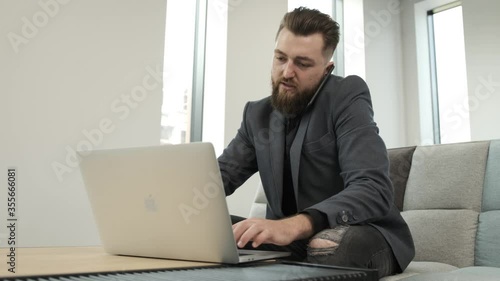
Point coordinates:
pixel 450 197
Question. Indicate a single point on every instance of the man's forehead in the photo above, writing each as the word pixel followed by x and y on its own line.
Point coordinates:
pixel 310 46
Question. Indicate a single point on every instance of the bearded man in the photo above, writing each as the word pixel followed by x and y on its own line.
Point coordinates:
pixel 323 166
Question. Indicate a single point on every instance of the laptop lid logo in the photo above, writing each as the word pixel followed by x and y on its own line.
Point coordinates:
pixel 150 204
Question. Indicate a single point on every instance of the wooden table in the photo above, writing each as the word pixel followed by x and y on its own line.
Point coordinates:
pixel 68 260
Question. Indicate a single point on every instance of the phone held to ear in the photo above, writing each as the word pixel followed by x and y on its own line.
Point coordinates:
pixel 321 84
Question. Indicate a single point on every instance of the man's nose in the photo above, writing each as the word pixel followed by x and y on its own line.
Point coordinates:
pixel 288 70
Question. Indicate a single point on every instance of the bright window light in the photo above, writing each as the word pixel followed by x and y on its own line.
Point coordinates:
pixel 451 76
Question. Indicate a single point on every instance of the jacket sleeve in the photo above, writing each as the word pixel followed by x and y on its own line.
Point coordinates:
pixel 238 161
pixel 364 166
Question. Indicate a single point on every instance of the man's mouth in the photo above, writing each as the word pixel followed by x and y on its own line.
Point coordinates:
pixel 287 85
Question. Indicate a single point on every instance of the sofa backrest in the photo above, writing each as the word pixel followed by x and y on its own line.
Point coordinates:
pixel 444 191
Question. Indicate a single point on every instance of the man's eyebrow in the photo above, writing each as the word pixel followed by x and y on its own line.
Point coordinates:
pixel 300 58
pixel 304 59
pixel 277 51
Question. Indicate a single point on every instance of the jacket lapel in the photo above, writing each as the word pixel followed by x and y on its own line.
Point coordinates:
pixel 296 151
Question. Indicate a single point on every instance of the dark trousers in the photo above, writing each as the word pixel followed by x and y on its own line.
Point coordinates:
pixel 361 246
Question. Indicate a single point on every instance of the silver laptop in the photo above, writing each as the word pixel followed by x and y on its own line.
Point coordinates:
pixel 164 202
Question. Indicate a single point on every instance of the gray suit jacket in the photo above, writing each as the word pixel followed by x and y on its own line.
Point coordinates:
pixel 339 163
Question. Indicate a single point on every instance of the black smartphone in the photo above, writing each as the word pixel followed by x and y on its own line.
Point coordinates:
pixel 321 84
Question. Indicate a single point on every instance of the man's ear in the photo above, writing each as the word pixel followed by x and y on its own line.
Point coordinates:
pixel 329 68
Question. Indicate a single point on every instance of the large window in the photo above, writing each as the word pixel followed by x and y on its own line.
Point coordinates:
pixel 178 71
pixel 191 109
pixel 184 71
pixel 448 75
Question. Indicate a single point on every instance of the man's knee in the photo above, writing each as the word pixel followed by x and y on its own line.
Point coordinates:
pixel 363 246
pixel 318 243
pixel 327 241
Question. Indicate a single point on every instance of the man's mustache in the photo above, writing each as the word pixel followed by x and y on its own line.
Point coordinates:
pixel 287 81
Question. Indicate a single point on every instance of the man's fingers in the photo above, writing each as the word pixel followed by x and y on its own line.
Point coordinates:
pixel 261 238
pixel 258 231
pixel 247 230
pixel 251 231
pixel 261 231
pixel 238 229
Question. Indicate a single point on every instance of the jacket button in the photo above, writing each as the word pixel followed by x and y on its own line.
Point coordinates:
pixel 345 218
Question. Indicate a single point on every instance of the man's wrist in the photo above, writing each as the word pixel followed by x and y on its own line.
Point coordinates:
pixel 319 220
pixel 302 226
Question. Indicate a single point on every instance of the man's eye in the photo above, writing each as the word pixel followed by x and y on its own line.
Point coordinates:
pixel 280 58
pixel 302 65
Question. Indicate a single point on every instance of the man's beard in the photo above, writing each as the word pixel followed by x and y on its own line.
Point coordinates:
pixel 288 104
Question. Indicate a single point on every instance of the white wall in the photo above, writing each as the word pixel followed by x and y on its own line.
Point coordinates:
pixel 373 51
pixel 482 48
pixel 482 60
pixel 384 68
pixel 66 88
pixel 410 78
pixel 417 78
pixel 252 27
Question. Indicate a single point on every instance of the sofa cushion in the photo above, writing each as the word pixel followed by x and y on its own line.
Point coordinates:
pixel 399 169
pixel 480 272
pixel 445 236
pixel 487 241
pixel 475 273
pixel 491 194
pixel 447 176
pixel 419 267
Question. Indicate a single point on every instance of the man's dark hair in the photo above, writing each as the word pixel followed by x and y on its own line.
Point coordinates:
pixel 303 21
